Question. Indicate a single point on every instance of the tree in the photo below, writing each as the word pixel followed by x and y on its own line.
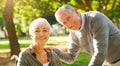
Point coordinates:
pixel 25 11
pixel 105 6
pixel 110 8
pixel 8 16
pixel 114 15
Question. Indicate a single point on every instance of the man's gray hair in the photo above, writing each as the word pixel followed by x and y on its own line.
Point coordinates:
pixel 63 8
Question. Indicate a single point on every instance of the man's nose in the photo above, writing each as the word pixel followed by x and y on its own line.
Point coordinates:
pixel 68 24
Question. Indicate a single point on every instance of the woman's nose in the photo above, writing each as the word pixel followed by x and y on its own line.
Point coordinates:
pixel 41 33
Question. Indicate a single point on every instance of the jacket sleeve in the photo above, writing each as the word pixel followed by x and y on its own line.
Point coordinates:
pixel 73 50
pixel 100 31
pixel 22 59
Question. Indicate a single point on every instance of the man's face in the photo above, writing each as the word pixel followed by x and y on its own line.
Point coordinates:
pixel 70 20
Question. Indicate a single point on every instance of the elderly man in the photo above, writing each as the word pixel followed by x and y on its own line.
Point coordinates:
pixel 92 32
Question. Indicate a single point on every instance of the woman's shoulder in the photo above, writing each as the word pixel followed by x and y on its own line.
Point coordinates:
pixel 25 51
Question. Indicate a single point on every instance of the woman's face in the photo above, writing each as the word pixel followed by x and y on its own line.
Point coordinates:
pixel 40 35
pixel 70 20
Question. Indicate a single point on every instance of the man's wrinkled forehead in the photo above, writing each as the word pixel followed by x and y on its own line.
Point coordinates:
pixel 64 14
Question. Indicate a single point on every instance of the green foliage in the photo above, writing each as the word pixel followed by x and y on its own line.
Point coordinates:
pixel 25 11
pixel 116 12
pixel 2 5
pixel 2 21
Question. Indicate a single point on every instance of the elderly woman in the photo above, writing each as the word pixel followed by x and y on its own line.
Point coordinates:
pixel 36 55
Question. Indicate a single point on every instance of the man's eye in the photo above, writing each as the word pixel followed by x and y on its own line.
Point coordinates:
pixel 64 22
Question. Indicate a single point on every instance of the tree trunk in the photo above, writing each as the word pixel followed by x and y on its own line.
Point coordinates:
pixel 8 16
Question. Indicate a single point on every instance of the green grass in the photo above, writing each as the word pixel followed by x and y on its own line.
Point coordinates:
pixel 23 41
pixel 26 41
pixel 82 59
pixel 4 43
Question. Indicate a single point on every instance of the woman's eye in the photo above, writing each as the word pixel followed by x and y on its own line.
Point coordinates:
pixel 37 31
pixel 45 30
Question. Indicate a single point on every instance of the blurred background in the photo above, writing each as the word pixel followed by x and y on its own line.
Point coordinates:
pixel 16 16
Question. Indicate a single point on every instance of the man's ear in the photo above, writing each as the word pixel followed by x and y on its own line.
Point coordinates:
pixel 76 11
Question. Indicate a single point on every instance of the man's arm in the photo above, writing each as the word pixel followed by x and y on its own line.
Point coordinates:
pixel 73 50
pixel 100 31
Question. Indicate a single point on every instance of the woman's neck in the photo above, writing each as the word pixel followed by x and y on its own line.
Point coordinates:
pixel 38 48
pixel 41 54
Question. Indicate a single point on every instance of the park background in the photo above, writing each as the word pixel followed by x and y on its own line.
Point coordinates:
pixel 16 16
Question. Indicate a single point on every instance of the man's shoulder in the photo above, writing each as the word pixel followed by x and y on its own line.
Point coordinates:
pixel 93 13
pixel 96 15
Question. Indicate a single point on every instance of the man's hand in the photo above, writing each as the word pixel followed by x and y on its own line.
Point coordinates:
pixel 48 47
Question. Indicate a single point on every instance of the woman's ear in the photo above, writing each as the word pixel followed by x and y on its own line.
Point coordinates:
pixel 30 35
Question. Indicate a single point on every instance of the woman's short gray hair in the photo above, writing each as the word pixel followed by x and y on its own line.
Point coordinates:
pixel 39 22
pixel 63 8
